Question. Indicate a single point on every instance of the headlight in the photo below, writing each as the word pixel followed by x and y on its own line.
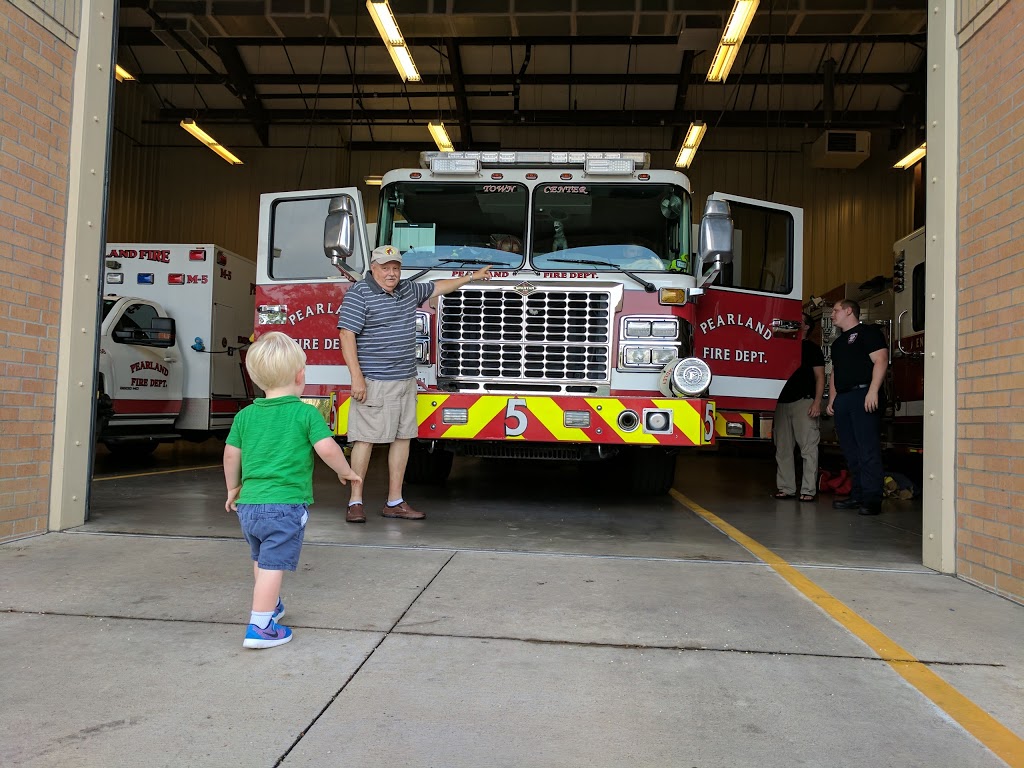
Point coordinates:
pixel 636 356
pixel 421 324
pixel 666 329
pixel 638 329
pixel 423 352
pixel 685 378
pixel 663 355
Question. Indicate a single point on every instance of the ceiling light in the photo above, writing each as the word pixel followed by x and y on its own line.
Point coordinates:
pixel 190 125
pixel 122 74
pixel 372 181
pixel 735 30
pixel 440 136
pixel 739 21
pixel 911 159
pixel 389 32
pixel 690 143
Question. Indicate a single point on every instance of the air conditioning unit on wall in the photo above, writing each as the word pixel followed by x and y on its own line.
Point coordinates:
pixel 841 149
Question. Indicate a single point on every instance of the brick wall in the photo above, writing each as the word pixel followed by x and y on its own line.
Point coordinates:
pixel 35 115
pixel 990 365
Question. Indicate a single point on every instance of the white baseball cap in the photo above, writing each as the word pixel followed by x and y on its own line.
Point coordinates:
pixel 382 254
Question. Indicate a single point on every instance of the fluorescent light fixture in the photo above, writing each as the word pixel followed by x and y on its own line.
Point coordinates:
pixel 440 136
pixel 190 125
pixel 121 74
pixel 389 32
pixel 735 30
pixel 385 22
pixel 404 63
pixel 912 159
pixel 372 181
pixel 690 143
pixel 739 21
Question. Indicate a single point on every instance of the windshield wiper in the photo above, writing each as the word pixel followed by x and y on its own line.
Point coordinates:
pixel 649 287
pixel 476 262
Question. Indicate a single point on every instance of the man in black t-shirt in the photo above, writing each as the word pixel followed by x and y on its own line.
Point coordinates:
pixel 796 420
pixel 860 358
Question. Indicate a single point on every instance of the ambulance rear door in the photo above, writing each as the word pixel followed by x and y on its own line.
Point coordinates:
pixel 749 319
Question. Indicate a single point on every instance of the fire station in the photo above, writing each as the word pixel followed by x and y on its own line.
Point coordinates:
pixel 645 222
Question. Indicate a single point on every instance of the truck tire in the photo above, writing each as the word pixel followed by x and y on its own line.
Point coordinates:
pixel 651 471
pixel 428 468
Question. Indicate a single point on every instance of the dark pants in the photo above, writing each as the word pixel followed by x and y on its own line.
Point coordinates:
pixel 859 437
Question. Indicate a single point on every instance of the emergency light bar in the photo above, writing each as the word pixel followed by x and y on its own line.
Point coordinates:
pixel 447 162
pixel 539 159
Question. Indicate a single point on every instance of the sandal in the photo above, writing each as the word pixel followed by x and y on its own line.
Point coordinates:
pixel 781 495
pixel 808 498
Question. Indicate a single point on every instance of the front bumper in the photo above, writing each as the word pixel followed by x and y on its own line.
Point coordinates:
pixel 672 422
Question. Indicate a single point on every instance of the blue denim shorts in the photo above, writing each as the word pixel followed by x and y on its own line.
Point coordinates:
pixel 274 533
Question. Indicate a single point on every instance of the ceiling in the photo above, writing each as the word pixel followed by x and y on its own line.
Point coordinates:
pixel 490 64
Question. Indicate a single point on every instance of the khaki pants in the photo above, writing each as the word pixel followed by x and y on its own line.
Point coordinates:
pixel 793 427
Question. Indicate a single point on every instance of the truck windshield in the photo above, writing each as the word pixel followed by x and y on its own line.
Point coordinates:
pixel 441 223
pixel 639 227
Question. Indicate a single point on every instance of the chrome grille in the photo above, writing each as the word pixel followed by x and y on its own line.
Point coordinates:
pixel 550 335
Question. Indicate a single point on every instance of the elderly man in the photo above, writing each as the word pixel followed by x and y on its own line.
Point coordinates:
pixel 860 359
pixel 377 324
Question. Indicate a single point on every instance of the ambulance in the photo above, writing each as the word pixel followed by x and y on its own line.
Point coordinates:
pixel 612 327
pixel 176 320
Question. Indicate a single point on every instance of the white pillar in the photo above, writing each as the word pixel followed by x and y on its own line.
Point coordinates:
pixel 941 230
pixel 83 249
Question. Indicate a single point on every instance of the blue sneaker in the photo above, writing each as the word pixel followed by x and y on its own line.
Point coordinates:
pixel 279 611
pixel 273 635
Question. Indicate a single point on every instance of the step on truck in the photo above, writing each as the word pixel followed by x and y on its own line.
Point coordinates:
pixel 176 320
pixel 612 327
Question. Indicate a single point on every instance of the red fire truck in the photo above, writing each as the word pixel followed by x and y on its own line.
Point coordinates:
pixel 612 326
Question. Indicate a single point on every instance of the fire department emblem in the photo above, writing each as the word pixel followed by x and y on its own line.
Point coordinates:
pixel 525 289
pixel 853 338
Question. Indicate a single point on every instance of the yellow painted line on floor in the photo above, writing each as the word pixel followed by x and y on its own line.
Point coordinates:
pixel 979 723
pixel 160 472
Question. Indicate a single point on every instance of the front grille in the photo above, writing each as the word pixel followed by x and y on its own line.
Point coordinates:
pixel 549 335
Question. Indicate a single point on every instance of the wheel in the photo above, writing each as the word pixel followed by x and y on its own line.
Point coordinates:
pixel 131 449
pixel 426 468
pixel 651 471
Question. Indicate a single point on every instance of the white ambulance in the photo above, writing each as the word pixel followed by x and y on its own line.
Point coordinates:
pixel 175 324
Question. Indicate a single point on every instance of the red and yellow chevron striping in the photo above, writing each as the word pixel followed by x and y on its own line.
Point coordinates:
pixel 538 418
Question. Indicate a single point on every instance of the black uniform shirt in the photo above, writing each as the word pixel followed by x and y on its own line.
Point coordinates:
pixel 801 383
pixel 851 356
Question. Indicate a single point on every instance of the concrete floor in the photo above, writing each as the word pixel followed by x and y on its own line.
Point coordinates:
pixel 536 618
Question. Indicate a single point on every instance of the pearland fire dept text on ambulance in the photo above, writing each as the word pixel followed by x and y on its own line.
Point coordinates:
pixel 175 319
pixel 605 331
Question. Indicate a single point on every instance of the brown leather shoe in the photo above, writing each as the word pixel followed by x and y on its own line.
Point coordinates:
pixel 355 514
pixel 403 511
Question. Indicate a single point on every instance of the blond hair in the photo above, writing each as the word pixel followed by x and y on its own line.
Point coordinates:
pixel 274 360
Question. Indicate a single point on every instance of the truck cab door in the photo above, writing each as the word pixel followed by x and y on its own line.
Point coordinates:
pixel 145 379
pixel 748 322
pixel 312 247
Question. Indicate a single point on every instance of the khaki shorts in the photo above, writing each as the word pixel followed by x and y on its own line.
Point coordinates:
pixel 388 413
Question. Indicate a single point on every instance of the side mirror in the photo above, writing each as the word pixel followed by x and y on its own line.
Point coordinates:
pixel 339 230
pixel 714 242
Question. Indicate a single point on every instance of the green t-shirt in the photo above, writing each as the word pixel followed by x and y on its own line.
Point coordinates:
pixel 276 437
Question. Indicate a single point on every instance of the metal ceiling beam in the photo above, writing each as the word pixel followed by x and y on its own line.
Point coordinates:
pixel 143 36
pixel 459 86
pixel 585 118
pixel 239 78
pixel 895 79
pixel 685 73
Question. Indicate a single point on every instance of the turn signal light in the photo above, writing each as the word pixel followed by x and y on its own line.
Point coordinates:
pixel 672 296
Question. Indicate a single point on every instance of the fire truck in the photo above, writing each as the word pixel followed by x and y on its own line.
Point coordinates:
pixel 612 327
pixel 897 306
pixel 175 319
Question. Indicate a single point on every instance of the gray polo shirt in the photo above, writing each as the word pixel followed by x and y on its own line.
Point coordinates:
pixel 385 326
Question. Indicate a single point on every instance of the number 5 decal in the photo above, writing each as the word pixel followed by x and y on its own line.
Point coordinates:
pixel 516 410
pixel 709 421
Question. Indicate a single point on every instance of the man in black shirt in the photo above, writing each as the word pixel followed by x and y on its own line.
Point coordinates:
pixel 796 419
pixel 860 358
